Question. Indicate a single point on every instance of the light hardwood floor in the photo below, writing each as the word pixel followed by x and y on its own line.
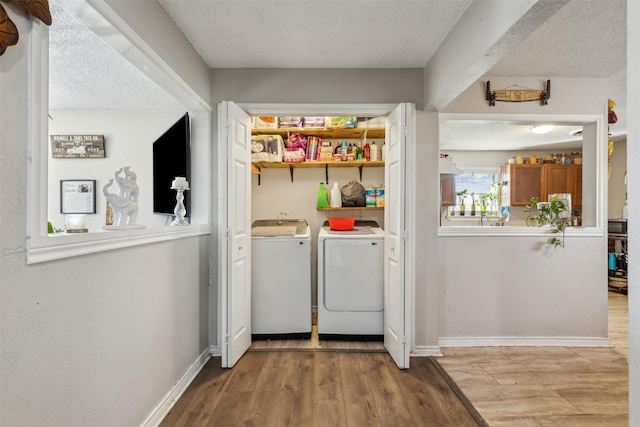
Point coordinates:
pixel 548 386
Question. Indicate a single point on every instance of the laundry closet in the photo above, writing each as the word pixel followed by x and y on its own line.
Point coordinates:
pixel 362 276
pixel 301 268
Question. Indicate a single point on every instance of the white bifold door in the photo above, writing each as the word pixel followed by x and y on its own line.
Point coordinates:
pixel 397 313
pixel 234 130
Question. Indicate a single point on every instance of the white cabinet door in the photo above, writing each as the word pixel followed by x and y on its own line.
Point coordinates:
pixel 235 132
pixel 396 292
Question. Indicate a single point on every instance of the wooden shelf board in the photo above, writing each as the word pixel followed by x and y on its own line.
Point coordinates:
pixel 320 164
pixel 352 133
pixel 368 208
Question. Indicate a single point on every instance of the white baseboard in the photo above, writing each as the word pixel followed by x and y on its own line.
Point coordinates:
pixel 214 351
pixel 163 408
pixel 426 351
pixel 524 342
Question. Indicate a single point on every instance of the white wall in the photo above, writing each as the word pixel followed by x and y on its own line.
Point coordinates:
pixel 129 138
pixel 93 340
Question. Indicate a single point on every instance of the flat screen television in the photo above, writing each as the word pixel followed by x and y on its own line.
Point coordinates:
pixel 171 158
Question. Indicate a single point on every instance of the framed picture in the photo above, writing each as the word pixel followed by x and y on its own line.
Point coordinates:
pixel 77 146
pixel 77 196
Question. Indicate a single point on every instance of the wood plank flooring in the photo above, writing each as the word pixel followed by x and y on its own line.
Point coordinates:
pixel 322 383
pixel 548 386
pixel 317 389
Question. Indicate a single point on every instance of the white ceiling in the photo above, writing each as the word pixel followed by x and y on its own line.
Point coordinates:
pixel 585 38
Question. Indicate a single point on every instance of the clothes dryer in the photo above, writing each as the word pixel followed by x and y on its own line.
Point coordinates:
pixel 350 282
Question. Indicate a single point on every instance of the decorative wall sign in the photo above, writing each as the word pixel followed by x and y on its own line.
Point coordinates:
pixel 518 94
pixel 78 196
pixel 77 146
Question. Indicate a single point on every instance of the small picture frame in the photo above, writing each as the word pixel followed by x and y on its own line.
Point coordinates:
pixel 77 196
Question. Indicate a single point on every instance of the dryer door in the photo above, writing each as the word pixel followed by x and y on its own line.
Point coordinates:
pixel 353 274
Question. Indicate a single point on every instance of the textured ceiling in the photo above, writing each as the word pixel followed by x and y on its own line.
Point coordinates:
pixel 316 34
pixel 585 38
pixel 85 73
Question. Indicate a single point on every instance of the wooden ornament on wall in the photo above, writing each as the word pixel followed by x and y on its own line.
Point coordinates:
pixel 8 30
pixel 518 94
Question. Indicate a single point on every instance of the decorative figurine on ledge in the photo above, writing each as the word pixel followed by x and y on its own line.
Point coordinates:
pixel 125 203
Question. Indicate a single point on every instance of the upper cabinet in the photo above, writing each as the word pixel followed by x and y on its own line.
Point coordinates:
pixel 526 182
pixel 539 181
pixel 448 190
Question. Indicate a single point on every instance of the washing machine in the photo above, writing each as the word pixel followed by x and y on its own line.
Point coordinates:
pixel 350 282
pixel 280 279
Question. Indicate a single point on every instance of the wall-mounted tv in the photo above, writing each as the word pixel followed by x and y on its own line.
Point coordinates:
pixel 171 158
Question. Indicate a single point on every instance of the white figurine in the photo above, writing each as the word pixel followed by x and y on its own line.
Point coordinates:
pixel 125 203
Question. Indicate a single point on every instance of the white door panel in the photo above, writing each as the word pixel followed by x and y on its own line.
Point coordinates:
pixel 396 298
pixel 235 132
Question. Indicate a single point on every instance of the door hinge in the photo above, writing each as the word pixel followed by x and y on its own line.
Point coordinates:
pixel 226 234
pixel 226 129
pixel 405 341
pixel 405 235
pixel 226 339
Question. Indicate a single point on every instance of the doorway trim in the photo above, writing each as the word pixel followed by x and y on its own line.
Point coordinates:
pixel 283 109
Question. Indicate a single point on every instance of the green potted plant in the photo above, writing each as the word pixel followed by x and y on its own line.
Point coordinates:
pixel 552 213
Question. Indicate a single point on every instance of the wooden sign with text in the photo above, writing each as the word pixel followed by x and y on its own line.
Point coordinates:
pixel 77 146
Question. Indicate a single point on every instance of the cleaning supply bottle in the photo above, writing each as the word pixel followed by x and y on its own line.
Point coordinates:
pixel 322 197
pixel 367 152
pixel 374 151
pixel 336 196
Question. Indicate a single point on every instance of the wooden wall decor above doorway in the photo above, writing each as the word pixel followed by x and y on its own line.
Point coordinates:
pixel 8 30
pixel 518 94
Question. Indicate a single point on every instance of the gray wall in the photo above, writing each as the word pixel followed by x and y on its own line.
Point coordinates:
pixel 498 288
pixel 300 86
pixel 93 340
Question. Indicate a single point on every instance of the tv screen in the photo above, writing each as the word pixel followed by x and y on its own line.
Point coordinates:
pixel 171 158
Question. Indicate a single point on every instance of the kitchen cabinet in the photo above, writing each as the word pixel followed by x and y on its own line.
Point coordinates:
pixel 576 193
pixel 526 182
pixel 448 191
pixel 539 181
pixel 557 179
